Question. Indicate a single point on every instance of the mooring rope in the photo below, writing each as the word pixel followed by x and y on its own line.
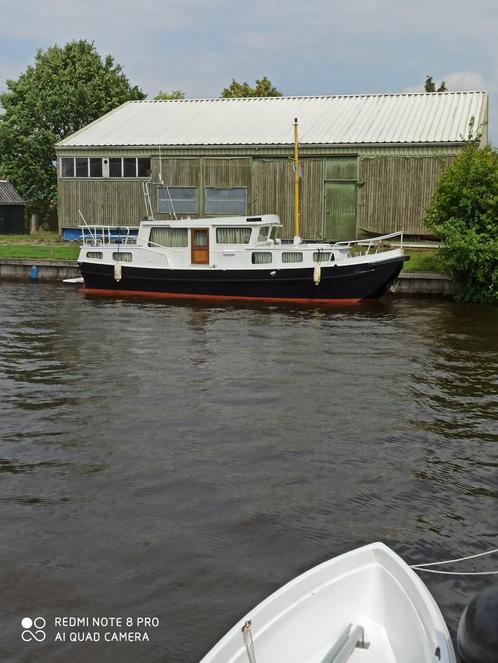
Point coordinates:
pixel 423 567
pixel 456 573
pixel 248 641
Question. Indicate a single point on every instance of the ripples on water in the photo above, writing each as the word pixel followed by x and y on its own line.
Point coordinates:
pixel 184 460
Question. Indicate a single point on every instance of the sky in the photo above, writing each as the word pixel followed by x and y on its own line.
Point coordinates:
pixel 305 47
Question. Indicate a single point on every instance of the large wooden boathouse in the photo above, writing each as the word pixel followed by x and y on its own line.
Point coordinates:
pixel 369 162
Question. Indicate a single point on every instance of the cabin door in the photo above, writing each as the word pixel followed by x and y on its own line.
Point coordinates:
pixel 200 246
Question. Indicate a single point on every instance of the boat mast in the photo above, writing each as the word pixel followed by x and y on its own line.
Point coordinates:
pixel 297 237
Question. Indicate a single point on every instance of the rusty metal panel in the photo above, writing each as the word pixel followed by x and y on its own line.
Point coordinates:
pixel 397 191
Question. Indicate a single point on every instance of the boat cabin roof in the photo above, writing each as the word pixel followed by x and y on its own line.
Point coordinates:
pixel 263 219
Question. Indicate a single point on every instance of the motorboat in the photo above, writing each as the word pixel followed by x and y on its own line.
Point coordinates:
pixel 235 258
pixel 364 606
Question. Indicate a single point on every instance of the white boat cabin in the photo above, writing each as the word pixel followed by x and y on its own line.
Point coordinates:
pixel 218 243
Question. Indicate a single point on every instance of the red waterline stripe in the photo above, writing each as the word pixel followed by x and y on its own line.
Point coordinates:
pixel 175 295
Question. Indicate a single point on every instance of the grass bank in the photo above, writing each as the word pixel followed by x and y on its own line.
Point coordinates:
pixel 423 260
pixel 49 246
pixel 45 245
pixel 39 251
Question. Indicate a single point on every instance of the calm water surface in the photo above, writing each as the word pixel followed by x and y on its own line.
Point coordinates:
pixel 182 461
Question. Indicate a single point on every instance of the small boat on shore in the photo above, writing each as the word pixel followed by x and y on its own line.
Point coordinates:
pixel 366 606
pixel 239 257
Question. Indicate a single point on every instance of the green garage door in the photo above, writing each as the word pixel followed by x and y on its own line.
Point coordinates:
pixel 340 210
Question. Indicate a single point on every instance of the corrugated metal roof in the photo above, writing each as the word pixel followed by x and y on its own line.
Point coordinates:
pixel 8 195
pixel 332 120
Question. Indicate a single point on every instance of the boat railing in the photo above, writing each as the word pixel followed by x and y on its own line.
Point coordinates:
pixel 99 235
pixel 371 244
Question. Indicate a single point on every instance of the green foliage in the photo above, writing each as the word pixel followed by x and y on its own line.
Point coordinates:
pixel 64 90
pixel 464 214
pixel 169 96
pixel 430 86
pixel 263 88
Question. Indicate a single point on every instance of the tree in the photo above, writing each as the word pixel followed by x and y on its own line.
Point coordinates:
pixel 263 88
pixel 430 86
pixel 64 90
pixel 169 96
pixel 463 213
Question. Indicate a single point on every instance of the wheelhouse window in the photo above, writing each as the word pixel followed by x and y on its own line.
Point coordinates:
pixel 263 233
pixel 178 200
pixel 233 235
pixel 322 256
pixel 261 257
pixel 226 201
pixel 122 256
pixel 177 237
pixel 275 233
pixel 292 256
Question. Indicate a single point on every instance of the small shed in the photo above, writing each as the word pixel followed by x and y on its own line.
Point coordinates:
pixel 11 210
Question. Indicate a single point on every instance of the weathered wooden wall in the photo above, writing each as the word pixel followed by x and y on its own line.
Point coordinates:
pixel 397 191
pixel 101 201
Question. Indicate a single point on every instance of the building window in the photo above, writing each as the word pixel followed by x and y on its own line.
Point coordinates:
pixel 95 167
pixel 81 166
pixel 177 237
pixel 96 255
pixel 178 200
pixel 226 201
pixel 129 167
pixel 233 235
pixel 122 256
pixel 143 167
pixel 115 167
pixel 67 167
pixel 322 256
pixel 292 256
pixel 261 257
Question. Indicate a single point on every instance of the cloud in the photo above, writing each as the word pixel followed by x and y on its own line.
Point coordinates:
pixel 313 47
pixel 466 80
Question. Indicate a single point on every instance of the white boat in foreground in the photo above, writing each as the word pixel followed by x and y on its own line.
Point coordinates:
pixel 366 606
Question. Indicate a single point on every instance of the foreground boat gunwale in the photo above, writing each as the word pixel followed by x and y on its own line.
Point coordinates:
pixel 431 621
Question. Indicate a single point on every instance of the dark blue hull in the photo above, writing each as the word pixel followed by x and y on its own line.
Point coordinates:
pixel 350 283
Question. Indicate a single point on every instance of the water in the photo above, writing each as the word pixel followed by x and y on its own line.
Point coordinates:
pixel 182 461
